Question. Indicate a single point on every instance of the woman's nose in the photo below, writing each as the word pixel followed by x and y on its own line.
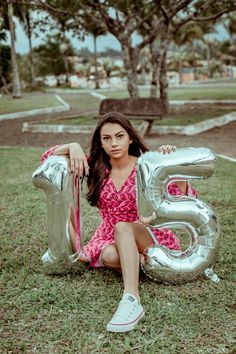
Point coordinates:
pixel 114 142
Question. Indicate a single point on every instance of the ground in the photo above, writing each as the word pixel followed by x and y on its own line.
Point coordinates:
pixel 67 314
pixel 221 140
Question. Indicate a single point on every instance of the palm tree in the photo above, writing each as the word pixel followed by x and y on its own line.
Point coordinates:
pixel 16 93
pixel 95 30
pixel 23 13
pixel 185 38
pixel 230 26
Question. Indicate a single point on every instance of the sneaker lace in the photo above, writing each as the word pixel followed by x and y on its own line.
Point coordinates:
pixel 125 307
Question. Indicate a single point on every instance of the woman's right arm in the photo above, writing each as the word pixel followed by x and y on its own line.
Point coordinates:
pixel 78 160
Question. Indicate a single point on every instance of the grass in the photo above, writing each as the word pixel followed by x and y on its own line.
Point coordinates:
pixel 27 102
pixel 190 93
pixel 85 102
pixel 68 313
pixel 184 115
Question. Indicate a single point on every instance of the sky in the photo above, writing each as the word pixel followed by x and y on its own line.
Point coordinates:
pixel 22 46
pixel 103 42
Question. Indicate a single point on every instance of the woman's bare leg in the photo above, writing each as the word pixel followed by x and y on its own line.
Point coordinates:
pixel 110 258
pixel 131 239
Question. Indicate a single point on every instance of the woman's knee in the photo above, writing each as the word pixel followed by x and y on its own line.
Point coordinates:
pixel 110 257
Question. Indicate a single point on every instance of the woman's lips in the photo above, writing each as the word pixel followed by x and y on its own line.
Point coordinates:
pixel 115 151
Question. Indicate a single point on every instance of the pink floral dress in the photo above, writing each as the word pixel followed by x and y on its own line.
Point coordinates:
pixel 116 206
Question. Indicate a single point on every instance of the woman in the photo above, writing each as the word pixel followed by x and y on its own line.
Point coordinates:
pixel 121 237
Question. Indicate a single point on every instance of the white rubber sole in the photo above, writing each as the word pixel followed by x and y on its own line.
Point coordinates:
pixel 124 327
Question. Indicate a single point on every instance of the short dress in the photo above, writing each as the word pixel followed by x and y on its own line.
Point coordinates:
pixel 120 206
pixel 117 206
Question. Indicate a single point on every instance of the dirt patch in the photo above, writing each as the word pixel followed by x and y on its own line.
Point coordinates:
pixel 221 140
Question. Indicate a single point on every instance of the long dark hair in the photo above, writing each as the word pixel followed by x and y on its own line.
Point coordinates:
pixel 99 161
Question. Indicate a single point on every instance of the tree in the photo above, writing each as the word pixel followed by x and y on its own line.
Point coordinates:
pixel 177 14
pixel 16 93
pixel 230 26
pixel 96 30
pixel 159 18
pixel 23 12
pixel 48 57
pixel 5 68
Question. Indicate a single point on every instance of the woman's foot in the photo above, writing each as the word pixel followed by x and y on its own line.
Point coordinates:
pixel 127 316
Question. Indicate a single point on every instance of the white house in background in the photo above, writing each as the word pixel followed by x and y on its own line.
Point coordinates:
pixel 173 77
pixel 50 80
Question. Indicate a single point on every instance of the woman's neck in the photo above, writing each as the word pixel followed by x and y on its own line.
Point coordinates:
pixel 123 162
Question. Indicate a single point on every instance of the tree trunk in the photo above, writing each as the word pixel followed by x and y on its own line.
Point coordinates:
pixel 97 85
pixel 180 69
pixel 63 50
pixel 33 79
pixel 155 60
pixel 130 58
pixel 15 73
pixel 163 81
pixel 208 54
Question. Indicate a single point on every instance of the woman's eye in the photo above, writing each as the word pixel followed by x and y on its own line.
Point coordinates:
pixel 120 136
pixel 105 139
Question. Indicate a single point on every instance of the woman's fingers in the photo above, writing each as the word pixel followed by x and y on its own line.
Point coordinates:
pixel 147 220
pixel 72 166
pixel 86 166
pixel 79 167
pixel 167 149
pixel 76 169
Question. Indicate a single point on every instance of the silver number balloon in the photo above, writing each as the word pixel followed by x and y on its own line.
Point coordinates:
pixel 63 203
pixel 154 172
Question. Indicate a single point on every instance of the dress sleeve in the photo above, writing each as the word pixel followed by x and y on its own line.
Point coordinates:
pixel 174 190
pixel 48 153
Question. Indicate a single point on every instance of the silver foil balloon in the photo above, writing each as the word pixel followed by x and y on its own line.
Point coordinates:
pixel 63 208
pixel 154 172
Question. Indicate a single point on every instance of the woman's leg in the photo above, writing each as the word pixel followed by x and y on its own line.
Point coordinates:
pixel 131 240
pixel 110 257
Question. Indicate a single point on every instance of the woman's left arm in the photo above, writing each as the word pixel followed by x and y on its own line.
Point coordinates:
pixel 179 187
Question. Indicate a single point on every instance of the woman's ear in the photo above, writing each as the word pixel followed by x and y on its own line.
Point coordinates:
pixel 130 141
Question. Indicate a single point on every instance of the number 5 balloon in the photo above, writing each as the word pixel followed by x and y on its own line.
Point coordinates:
pixel 63 204
pixel 154 172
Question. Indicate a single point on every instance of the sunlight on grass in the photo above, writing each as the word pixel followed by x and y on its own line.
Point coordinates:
pixel 190 93
pixel 180 116
pixel 68 314
pixel 28 102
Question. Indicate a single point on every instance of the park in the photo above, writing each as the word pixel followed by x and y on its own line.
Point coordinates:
pixel 53 94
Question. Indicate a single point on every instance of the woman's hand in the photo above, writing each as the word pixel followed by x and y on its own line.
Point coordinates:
pixel 78 160
pixel 166 149
pixel 147 220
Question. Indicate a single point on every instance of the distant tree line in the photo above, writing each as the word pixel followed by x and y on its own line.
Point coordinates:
pixel 159 23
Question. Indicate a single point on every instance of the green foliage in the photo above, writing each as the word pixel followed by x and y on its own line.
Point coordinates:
pixel 49 59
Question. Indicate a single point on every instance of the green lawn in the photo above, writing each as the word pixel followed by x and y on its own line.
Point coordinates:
pixel 84 102
pixel 68 314
pixel 27 102
pixel 184 115
pixel 191 93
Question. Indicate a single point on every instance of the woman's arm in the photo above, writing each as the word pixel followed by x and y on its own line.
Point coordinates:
pixel 78 160
pixel 183 186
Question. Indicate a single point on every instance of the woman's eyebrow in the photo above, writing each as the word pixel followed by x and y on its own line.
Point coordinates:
pixel 122 131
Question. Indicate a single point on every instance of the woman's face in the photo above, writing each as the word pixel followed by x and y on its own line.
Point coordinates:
pixel 115 140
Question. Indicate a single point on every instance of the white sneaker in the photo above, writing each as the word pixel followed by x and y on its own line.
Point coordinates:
pixel 129 312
